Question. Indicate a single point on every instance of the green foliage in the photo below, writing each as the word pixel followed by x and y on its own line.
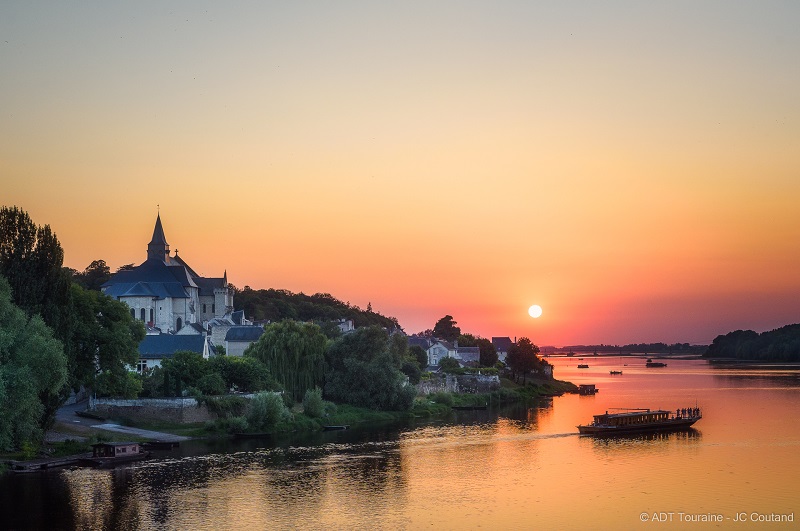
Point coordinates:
pixel 446 328
pixel 105 339
pixel 237 425
pixel 375 384
pixel 280 305
pixel 522 357
pixel 419 354
pixel 266 411
pixel 184 369
pixel 781 344
pixel 211 384
pixel 246 374
pixel 313 405
pixel 95 275
pixel 442 397
pixel 225 407
pixel 363 369
pixel 294 354
pixel 33 370
pixel 122 385
pixel 411 369
pixel 450 365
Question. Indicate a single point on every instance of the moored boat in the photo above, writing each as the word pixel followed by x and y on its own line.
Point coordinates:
pixel 583 366
pixel 614 372
pixel 106 455
pixel 651 363
pixel 588 389
pixel 641 421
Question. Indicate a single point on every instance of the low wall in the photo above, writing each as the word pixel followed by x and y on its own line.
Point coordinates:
pixel 462 383
pixel 180 410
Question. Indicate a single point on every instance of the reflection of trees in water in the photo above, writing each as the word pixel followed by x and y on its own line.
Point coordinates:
pixel 34 501
pixel 744 376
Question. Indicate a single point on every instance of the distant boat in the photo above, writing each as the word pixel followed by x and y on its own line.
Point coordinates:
pixel 651 363
pixel 587 389
pixel 614 372
pixel 336 427
pixel 640 421
pixel 583 366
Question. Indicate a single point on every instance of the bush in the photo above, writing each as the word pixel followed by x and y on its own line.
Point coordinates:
pixel 211 384
pixel 266 411
pixel 313 405
pixel 225 407
pixel 237 424
pixel 442 398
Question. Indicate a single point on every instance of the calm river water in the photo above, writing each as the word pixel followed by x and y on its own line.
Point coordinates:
pixel 516 468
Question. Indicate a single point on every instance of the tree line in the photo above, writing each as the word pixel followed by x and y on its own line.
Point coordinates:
pixel 59 334
pixel 781 344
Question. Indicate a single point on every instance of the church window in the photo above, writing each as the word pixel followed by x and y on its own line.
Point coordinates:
pixel 213 308
pixel 179 324
pixel 204 308
pixel 142 314
pixel 152 320
pixel 133 313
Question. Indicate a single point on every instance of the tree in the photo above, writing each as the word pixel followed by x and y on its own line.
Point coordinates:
pixel 294 354
pixel 185 369
pixel 33 370
pixel 488 352
pixel 105 339
pixel 419 354
pixel 363 369
pixel 31 259
pixel 245 374
pixel 95 275
pixel 446 329
pixel 521 357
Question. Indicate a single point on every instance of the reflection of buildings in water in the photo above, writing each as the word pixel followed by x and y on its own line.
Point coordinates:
pixel 91 497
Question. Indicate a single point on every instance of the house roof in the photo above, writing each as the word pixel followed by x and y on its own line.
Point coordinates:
pixel 419 341
pixel 237 317
pixel 468 354
pixel 502 344
pixel 164 346
pixel 244 333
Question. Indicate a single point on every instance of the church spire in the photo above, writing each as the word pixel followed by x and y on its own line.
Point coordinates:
pixel 158 246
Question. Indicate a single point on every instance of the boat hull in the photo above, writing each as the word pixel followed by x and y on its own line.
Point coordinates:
pixel 650 427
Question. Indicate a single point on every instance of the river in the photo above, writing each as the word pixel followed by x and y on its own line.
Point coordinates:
pixel 522 467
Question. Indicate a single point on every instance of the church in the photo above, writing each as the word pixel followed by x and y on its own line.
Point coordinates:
pixel 166 293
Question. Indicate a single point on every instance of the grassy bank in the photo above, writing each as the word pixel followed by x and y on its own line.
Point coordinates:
pixel 231 412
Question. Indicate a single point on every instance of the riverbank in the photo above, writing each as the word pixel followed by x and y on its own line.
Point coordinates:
pixel 71 436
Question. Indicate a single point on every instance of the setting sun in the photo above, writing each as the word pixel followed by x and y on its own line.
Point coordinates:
pixel 535 311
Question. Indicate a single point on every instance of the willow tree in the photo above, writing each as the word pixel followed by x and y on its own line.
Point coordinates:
pixel 294 353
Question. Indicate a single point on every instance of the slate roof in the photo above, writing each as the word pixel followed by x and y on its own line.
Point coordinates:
pixel 164 346
pixel 419 341
pixel 502 344
pixel 152 278
pixel 244 333
pixel 237 317
pixel 468 354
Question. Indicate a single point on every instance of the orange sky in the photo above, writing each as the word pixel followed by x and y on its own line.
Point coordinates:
pixel 632 168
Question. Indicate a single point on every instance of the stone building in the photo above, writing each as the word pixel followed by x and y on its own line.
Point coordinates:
pixel 166 293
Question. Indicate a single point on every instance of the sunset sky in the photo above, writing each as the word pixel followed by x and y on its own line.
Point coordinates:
pixel 632 167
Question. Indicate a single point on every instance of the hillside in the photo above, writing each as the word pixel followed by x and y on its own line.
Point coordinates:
pixel 781 344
